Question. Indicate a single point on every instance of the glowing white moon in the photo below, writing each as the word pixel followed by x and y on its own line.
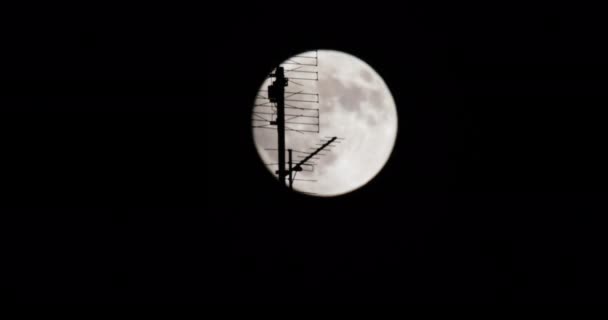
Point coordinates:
pixel 354 103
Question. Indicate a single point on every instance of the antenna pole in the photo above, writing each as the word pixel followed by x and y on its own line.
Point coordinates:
pixel 290 171
pixel 276 93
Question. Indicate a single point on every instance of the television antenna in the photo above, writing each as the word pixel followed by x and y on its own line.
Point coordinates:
pixel 295 110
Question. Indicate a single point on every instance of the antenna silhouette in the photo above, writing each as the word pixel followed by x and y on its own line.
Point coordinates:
pixel 300 108
pixel 298 167
pixel 297 111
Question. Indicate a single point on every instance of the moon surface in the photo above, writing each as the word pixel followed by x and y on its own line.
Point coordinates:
pixel 353 103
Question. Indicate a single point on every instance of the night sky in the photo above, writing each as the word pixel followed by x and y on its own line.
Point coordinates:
pixel 130 173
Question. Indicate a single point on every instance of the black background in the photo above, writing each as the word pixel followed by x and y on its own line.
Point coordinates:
pixel 130 174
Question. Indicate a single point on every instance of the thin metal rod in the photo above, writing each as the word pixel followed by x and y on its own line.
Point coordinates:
pixel 302 115
pixel 288 106
pixel 288 115
pixel 307 57
pixel 300 100
pixel 311 131
pixel 296 151
pixel 313 79
pixel 313 154
pixel 274 164
pixel 302 123
pixel 300 64
pixel 261 119
pixel 299 71
pixel 299 93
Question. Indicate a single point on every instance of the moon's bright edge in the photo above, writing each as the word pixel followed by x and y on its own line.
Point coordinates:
pixel 354 103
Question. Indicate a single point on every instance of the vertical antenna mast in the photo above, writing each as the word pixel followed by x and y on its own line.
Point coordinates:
pixel 276 94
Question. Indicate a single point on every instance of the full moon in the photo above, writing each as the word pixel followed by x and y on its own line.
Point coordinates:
pixel 328 94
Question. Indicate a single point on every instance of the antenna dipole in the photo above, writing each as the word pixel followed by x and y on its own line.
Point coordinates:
pixel 298 167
